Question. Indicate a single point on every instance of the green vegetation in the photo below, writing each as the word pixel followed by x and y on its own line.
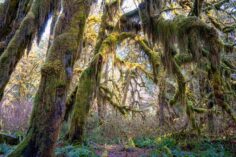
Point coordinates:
pixel 117 78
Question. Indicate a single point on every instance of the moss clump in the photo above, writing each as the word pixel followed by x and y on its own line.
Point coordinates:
pixel 54 67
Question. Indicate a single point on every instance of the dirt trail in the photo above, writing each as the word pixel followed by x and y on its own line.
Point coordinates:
pixel 121 151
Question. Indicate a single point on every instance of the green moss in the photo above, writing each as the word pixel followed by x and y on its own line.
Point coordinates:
pixel 52 67
pixel 181 91
pixel 20 151
pixel 216 83
pixel 49 105
pixel 84 96
pixel 183 59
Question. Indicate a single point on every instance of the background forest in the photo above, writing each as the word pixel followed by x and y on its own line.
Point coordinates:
pixel 118 78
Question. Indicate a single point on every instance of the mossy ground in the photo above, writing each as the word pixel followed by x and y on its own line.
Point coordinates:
pixel 176 144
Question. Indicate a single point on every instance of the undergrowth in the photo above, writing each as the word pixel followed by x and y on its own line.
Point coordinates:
pixel 5 149
pixel 172 146
pixel 74 151
pixel 169 145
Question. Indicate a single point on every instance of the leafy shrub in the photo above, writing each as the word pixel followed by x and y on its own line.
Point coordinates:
pixel 167 146
pixel 74 151
pixel 166 141
pixel 5 149
pixel 144 142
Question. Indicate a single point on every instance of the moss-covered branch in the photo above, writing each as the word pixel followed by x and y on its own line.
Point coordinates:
pixel 216 5
pixel 216 83
pixel 70 103
pixel 181 91
pixel 107 95
pixel 83 99
pixel 8 12
pixel 154 57
pixel 49 105
pixel 182 59
pixel 90 78
pixel 31 25
pixel 13 12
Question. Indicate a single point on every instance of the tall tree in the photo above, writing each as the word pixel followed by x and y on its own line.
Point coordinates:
pixel 89 81
pixel 56 74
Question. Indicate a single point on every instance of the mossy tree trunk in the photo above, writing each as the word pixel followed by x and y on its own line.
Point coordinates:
pixel 218 92
pixel 88 82
pixel 12 14
pixel 102 108
pixel 161 97
pixel 205 89
pixel 32 24
pixel 84 96
pixel 101 102
pixel 88 85
pixel 56 74
pixel 8 13
pixel 191 35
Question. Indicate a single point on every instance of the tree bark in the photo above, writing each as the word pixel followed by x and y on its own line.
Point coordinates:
pixel 49 104
pixel 84 97
pixel 33 23
pixel 101 102
pixel 89 81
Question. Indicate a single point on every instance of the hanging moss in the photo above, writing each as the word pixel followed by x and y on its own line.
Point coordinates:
pixel 191 116
pixel 22 39
pixel 216 84
pixel 109 95
pixel 49 105
pixel 154 57
pixel 13 14
pixel 186 34
pixel 180 94
pixel 8 12
pixel 90 79
pixel 182 59
pixel 70 103
pixel 183 36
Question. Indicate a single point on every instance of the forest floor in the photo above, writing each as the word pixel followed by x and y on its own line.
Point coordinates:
pixel 121 151
pixel 178 145
pixel 211 149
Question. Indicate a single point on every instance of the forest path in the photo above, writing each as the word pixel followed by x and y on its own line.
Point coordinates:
pixel 121 151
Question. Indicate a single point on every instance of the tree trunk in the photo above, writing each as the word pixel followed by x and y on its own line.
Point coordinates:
pixel 101 102
pixel 161 97
pixel 161 109
pixel 90 79
pixel 49 104
pixel 126 88
pixel 88 82
pixel 33 23
pixel 218 92
pixel 84 97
